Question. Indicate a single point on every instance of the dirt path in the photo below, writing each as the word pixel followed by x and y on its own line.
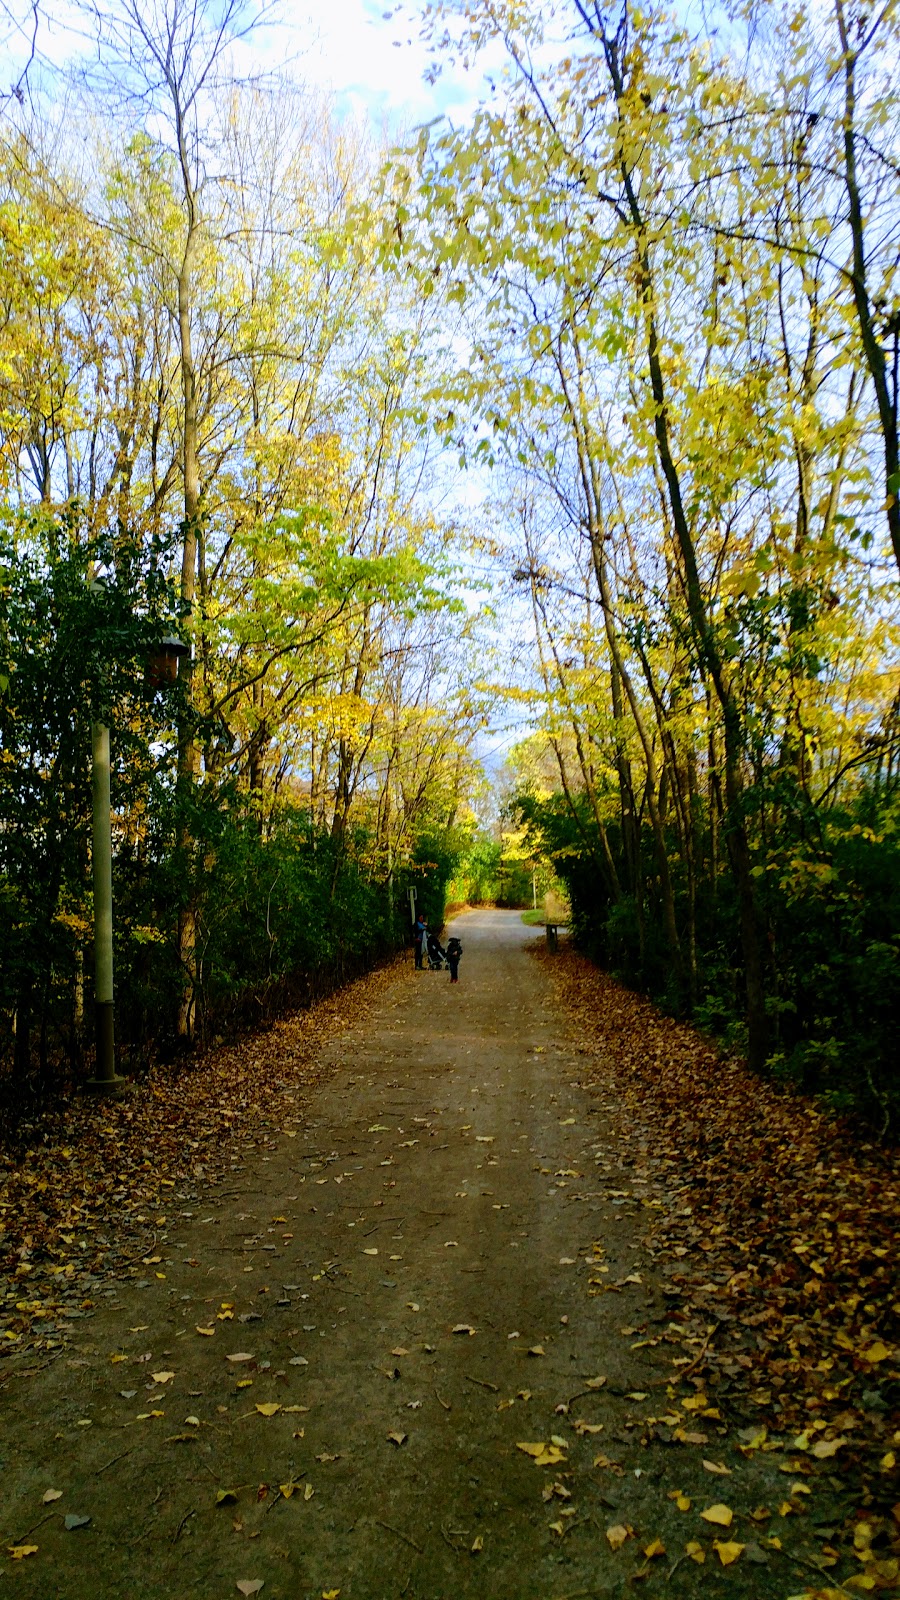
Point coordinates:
pixel 347 1350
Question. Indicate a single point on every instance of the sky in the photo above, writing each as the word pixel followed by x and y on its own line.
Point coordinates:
pixel 370 56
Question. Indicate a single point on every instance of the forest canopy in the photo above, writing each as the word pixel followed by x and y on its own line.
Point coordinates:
pixel 256 369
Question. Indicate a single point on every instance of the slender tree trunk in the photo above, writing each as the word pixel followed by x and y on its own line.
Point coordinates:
pixel 876 361
pixel 188 755
pixel 667 894
pixel 710 658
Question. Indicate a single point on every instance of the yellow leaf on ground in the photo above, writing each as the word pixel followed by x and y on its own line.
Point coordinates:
pixel 207 1332
pixel 162 1377
pixel 269 1408
pixel 616 1535
pixel 477 1544
pixel 695 1551
pixel 654 1549
pixel 717 1466
pixel 20 1551
pixel 720 1515
pixel 50 1495
pixel 544 1455
pixel 727 1552
pixel 876 1352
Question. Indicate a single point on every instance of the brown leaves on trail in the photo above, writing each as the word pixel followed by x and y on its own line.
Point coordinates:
pixel 775 1225
pixel 89 1197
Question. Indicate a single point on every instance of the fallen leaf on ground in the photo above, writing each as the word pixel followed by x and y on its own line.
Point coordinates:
pixel 616 1535
pixel 50 1495
pixel 240 1355
pixel 654 1549
pixel 544 1455
pixel 477 1544
pixel 398 1438
pixel 269 1408
pixel 727 1553
pixel 249 1585
pixel 208 1333
pixel 162 1377
pixel 717 1466
pixel 20 1551
pixel 722 1516
pixel 463 1327
pixel 71 1522
pixel 695 1551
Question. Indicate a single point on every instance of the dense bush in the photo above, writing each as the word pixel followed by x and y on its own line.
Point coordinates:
pixel 830 898
pixel 286 903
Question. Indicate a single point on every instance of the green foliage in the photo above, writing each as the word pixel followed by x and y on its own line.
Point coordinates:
pixel 70 653
pixel 830 898
pixel 477 877
pixel 286 907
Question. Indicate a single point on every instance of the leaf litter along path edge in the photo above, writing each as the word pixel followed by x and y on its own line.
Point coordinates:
pixel 368 1440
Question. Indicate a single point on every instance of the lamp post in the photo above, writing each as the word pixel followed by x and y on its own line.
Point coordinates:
pixel 105 1080
pixel 162 668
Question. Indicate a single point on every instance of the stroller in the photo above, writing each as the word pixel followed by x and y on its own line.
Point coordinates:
pixel 437 955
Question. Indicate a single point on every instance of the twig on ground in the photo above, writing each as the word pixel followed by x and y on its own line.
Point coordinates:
pixel 112 1462
pixel 482 1383
pixel 400 1535
pixel 678 1377
pixel 34 1528
pixel 185 1519
pixel 445 1403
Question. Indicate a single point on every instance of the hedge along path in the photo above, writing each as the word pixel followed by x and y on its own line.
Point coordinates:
pixel 428 1346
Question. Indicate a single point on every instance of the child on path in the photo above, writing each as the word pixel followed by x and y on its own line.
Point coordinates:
pixel 454 951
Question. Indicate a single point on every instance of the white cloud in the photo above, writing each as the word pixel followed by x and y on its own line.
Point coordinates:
pixel 370 56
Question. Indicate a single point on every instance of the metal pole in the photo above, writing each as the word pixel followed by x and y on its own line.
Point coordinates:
pixel 105 1080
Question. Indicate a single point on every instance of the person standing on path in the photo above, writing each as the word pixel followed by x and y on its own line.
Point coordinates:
pixel 454 952
pixel 420 934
